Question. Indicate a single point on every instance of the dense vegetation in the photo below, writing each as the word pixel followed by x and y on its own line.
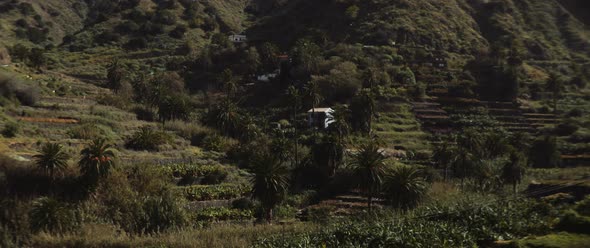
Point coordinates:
pixel 143 123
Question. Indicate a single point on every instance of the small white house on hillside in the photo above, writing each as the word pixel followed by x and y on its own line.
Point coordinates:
pixel 320 117
pixel 238 38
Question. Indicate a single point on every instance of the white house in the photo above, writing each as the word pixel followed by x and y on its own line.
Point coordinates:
pixel 238 38
pixel 320 117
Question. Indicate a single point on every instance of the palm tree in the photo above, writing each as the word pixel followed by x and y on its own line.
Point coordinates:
pixel 514 170
pixel 270 182
pixel 294 98
pixel 340 122
pixel 444 154
pixel 463 164
pixel 51 158
pixel 97 159
pixel 405 186
pixel 227 117
pixel 228 83
pixel 115 74
pixel 365 108
pixel 369 169
pixel 312 93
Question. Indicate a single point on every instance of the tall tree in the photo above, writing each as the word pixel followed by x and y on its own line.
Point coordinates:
pixel 340 122
pixel 97 159
pixel 463 164
pixel 514 170
pixel 294 99
pixel 368 165
pixel 444 155
pixel 364 109
pixel 313 94
pixel 37 58
pixel 51 158
pixel 115 74
pixel 174 107
pixel 269 183
pixel 228 83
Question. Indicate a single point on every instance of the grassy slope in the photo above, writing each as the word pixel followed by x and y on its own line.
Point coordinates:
pixel 68 21
pixel 558 240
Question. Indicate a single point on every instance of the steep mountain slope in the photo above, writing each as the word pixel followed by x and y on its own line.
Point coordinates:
pixel 40 22
pixel 547 30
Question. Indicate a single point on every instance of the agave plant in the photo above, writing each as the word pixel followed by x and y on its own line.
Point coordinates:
pixel 53 216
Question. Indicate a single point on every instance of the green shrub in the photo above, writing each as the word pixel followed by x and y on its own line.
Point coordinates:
pixel 204 174
pixel 89 131
pixel 223 214
pixel 583 207
pixel 147 138
pixel 10 130
pixel 467 223
pixel 53 216
pixel 573 222
pixel 217 143
pixel 566 129
pixel 319 214
pixel 214 192
pixel 25 93
pixel 161 213
pixel 243 203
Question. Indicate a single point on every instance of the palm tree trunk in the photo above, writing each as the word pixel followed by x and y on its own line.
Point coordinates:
pixel 514 187
pixel 269 216
pixel 370 201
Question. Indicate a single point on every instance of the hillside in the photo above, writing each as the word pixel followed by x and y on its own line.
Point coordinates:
pixel 354 123
pixel 40 22
pixel 459 26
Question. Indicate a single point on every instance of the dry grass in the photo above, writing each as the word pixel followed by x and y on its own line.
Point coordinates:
pixel 222 235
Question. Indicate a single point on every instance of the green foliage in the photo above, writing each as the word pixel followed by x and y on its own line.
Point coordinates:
pixel 174 107
pixel 90 131
pixel 369 169
pixel 52 158
pixel 161 213
pixel 557 240
pixel 97 159
pixel 583 207
pixel 405 186
pixel 352 12
pixel 223 214
pixel 571 221
pixel 51 215
pixel 544 153
pixel 147 138
pixel 193 173
pixel 10 130
pixel 214 192
pixel 465 224
pixel 270 182
pixel 17 90
pixel 514 170
pixel 216 143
